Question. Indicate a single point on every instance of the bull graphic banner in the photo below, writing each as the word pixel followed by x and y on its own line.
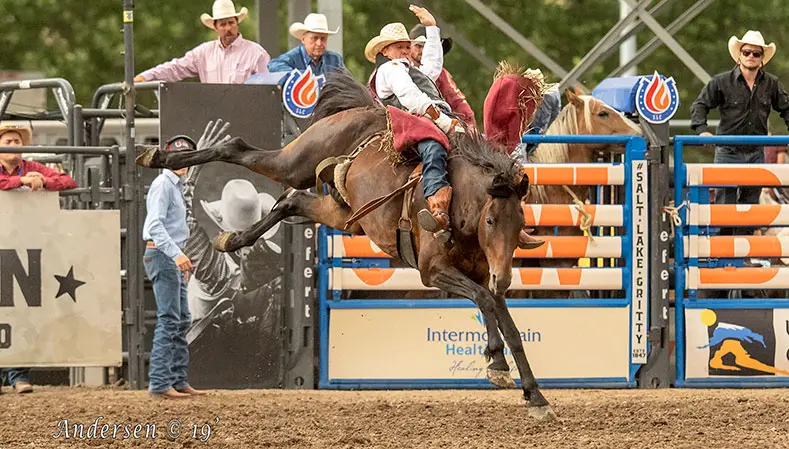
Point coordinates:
pixel 60 283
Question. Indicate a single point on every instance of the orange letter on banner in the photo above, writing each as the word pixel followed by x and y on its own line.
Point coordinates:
pixel 741 176
pixel 569 276
pixel 374 276
pixel 745 276
pixel 730 214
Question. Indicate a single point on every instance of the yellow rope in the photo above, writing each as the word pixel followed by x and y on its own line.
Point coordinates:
pixel 674 214
pixel 586 219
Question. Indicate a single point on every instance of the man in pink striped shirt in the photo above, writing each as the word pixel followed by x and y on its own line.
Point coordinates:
pixel 231 59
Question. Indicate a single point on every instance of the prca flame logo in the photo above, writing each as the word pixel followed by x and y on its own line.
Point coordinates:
pixel 300 92
pixel 657 98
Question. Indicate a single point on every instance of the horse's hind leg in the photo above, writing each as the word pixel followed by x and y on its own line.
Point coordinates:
pixel 451 280
pixel 538 406
pixel 321 209
pixel 285 165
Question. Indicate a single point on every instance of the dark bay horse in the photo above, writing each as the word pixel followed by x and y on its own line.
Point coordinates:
pixel 485 211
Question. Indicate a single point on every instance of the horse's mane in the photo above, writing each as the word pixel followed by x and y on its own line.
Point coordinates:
pixel 565 124
pixel 341 92
pixel 474 149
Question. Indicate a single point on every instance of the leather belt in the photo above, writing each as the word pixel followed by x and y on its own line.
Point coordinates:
pixel 150 244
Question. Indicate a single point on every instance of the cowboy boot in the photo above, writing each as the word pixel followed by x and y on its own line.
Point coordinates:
pixel 437 219
pixel 526 241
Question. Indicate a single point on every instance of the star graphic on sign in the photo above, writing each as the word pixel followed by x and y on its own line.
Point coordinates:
pixel 68 285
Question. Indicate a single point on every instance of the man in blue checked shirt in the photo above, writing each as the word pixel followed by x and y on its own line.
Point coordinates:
pixel 166 232
pixel 313 33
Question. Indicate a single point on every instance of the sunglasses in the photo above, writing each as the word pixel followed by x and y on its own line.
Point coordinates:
pixel 756 54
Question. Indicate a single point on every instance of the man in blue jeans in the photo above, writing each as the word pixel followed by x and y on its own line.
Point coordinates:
pixel 165 232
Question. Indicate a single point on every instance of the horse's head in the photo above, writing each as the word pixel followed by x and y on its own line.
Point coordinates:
pixel 500 223
pixel 593 116
pixel 492 185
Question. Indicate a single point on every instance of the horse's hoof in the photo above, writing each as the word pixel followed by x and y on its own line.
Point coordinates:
pixel 543 413
pixel 501 379
pixel 150 158
pixel 224 242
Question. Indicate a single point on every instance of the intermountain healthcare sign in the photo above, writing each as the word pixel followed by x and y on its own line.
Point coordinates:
pixel 399 344
pixel 60 286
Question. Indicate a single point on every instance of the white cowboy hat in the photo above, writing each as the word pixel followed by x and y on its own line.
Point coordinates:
pixel 752 38
pixel 313 23
pixel 24 132
pixel 391 33
pixel 240 207
pixel 223 9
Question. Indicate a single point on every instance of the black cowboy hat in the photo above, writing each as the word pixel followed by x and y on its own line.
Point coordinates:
pixel 419 31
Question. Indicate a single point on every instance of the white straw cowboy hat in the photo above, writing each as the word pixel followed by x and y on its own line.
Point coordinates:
pixel 240 207
pixel 223 9
pixel 752 38
pixel 24 132
pixel 391 33
pixel 313 23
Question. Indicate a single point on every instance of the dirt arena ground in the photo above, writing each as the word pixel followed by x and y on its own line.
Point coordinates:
pixel 398 419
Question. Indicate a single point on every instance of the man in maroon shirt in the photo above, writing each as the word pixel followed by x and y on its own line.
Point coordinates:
pixel 445 84
pixel 16 172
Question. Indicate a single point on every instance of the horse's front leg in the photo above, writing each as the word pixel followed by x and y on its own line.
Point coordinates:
pixel 538 406
pixel 451 280
pixel 321 209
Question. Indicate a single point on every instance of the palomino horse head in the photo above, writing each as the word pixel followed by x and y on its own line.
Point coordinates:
pixel 495 182
pixel 583 114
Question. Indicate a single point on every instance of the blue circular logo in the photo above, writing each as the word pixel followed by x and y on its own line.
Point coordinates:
pixel 657 98
pixel 300 92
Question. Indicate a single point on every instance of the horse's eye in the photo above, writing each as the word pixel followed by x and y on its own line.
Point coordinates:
pixel 489 220
pixel 602 114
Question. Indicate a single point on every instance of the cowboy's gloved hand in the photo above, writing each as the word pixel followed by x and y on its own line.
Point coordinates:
pixel 444 122
pixel 213 134
pixel 457 127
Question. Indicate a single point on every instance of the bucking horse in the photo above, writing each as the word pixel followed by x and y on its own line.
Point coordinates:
pixel 486 212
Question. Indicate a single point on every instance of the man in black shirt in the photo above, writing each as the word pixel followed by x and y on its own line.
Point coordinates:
pixel 744 95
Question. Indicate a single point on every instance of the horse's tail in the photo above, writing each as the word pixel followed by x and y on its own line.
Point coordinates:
pixel 340 92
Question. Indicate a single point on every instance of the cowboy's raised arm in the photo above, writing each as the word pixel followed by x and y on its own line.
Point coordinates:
pixel 393 78
pixel 432 54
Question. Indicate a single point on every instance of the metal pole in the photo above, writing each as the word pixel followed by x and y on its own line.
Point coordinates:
pixel 268 26
pixel 332 9
pixel 132 194
pixel 627 48
pixel 297 11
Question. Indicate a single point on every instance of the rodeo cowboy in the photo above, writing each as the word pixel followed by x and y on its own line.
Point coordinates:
pixel 400 84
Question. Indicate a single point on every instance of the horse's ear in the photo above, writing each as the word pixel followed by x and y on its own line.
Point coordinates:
pixel 573 97
pixel 522 188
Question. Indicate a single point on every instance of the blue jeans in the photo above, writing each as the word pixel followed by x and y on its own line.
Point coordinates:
pixel 732 155
pixel 434 166
pixel 546 113
pixel 170 354
pixel 14 375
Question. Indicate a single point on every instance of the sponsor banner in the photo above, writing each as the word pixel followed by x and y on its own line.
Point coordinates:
pixel 60 283
pixel 640 238
pixel 561 343
pixel 736 342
